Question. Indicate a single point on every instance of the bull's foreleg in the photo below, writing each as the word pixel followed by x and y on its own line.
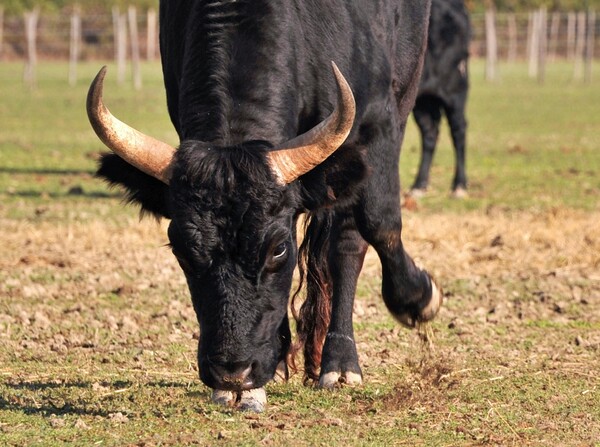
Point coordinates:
pixel 339 362
pixel 408 292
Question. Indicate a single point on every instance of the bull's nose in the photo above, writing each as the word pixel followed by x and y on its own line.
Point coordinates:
pixel 232 377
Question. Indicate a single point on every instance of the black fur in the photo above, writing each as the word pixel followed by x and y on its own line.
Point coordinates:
pixel 242 77
pixel 444 87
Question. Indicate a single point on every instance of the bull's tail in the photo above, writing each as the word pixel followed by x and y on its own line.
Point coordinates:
pixel 312 319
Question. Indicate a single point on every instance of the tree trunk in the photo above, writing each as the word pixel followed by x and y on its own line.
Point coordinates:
pixel 74 47
pixel 135 48
pixel 31 20
pixel 151 35
pixel 491 45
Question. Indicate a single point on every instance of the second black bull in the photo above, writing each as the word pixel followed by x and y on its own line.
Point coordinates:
pixel 443 90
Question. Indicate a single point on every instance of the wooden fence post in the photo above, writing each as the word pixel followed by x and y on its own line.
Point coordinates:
pixel 553 43
pixel 491 45
pixel 571 21
pixel 121 47
pixel 135 48
pixel 151 36
pixel 534 45
pixel 543 43
pixel 1 31
pixel 74 46
pixel 31 20
pixel 589 47
pixel 512 37
pixel 579 46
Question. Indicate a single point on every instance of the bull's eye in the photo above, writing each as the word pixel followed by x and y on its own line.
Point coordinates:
pixel 280 251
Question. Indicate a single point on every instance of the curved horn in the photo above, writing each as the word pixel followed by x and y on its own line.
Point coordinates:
pixel 142 151
pixel 301 154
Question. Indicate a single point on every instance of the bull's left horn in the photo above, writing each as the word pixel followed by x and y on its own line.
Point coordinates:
pixel 141 151
pixel 301 154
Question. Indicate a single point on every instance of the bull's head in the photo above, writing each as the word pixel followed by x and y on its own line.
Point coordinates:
pixel 233 214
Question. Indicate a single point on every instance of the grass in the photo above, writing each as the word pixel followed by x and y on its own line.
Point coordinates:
pixel 98 336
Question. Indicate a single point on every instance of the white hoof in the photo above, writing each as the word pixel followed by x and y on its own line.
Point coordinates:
pixel 428 312
pixel 434 305
pixel 253 400
pixel 459 193
pixel 417 192
pixel 225 398
pixel 333 379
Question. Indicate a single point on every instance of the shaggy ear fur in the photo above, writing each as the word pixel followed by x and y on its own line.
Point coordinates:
pixel 337 180
pixel 151 194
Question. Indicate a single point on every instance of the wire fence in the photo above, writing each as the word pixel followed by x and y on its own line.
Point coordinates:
pixel 565 36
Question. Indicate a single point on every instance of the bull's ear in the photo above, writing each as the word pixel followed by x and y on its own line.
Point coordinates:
pixel 140 188
pixel 337 180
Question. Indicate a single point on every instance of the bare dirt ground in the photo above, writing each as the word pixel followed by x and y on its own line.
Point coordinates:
pixel 515 354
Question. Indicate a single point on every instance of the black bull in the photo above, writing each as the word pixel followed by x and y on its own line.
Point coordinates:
pixel 444 87
pixel 251 93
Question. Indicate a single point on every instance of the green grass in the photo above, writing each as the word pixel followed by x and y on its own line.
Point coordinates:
pixel 97 332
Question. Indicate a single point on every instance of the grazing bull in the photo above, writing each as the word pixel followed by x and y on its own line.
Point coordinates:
pixel 444 86
pixel 268 132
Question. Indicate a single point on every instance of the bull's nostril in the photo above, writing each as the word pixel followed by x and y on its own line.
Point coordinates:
pixel 232 377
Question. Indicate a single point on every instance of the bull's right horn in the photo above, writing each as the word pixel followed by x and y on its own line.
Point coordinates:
pixel 149 155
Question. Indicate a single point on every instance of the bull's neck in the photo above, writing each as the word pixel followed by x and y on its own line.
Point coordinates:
pixel 236 82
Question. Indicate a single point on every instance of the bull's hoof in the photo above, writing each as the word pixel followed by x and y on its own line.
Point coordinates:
pixel 459 193
pixel 428 312
pixel 225 398
pixel 253 400
pixel 335 379
pixel 417 192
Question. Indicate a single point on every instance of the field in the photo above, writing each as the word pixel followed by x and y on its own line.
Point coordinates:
pixel 98 336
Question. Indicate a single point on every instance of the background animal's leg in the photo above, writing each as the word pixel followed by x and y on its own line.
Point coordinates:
pixel 458 130
pixel 339 361
pixel 427 115
pixel 409 292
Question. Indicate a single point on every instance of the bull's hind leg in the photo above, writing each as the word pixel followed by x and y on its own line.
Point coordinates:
pixel 409 292
pixel 427 115
pixel 458 128
pixel 339 362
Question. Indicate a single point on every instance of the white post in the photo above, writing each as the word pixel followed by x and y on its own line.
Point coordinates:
pixel 571 20
pixel 31 20
pixel 121 47
pixel 543 44
pixel 135 48
pixel 151 39
pixel 1 29
pixel 554 29
pixel 589 48
pixel 491 45
pixel 512 37
pixel 534 45
pixel 74 47
pixel 579 46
